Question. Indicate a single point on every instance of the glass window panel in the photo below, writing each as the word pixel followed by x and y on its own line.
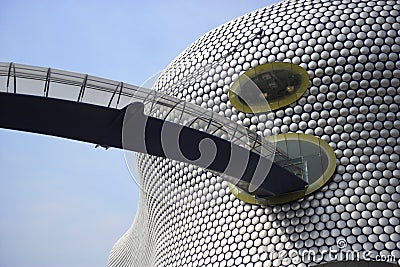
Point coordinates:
pixel 64 91
pixel 30 87
pixel 3 83
pixel 96 97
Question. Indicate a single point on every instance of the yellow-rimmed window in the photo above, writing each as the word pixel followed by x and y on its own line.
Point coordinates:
pixel 307 156
pixel 268 87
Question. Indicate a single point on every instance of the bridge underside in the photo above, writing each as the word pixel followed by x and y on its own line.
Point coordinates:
pixel 56 117
pixel 103 126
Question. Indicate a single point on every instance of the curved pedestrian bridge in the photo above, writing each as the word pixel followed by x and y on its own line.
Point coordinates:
pixel 114 114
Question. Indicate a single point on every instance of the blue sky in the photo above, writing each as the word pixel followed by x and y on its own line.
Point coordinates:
pixel 62 202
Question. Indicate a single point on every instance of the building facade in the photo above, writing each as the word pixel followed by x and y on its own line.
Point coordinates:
pixel 350 51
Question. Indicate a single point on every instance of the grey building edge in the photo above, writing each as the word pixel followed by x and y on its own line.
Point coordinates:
pixel 350 49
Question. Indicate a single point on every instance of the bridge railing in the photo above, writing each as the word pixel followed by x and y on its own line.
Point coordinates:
pixel 71 86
